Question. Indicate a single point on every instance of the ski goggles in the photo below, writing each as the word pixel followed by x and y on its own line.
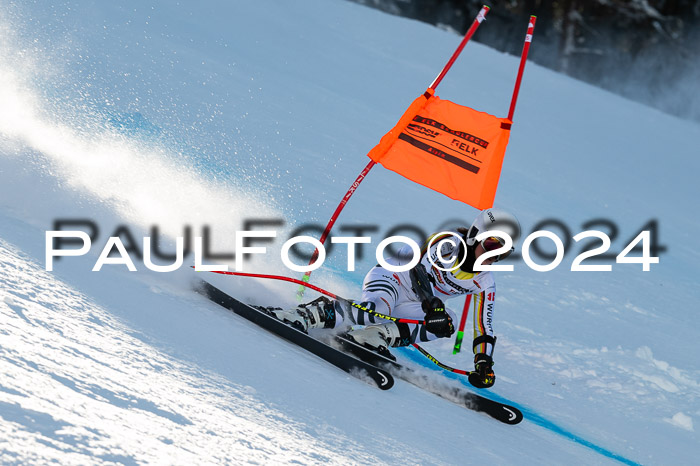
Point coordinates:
pixel 492 243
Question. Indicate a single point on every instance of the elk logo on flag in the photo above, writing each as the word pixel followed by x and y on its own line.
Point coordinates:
pixel 449 148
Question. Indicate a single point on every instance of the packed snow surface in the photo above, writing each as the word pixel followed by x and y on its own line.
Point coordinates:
pixel 208 116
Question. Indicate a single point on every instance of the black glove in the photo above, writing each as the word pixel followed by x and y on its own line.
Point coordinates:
pixel 437 320
pixel 483 376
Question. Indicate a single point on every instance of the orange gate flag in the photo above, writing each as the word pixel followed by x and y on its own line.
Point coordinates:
pixel 449 148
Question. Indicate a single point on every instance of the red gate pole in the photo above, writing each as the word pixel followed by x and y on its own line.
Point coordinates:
pixel 462 324
pixel 470 32
pixel 331 222
pixel 514 99
pixel 521 69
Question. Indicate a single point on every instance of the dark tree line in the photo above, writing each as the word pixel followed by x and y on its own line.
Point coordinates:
pixel 647 50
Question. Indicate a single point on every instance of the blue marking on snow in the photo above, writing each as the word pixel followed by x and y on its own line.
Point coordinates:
pixel 528 413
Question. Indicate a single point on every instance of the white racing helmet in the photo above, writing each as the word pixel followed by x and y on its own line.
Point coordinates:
pixel 494 219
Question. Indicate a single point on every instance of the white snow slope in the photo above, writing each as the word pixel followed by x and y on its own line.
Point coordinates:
pixel 210 113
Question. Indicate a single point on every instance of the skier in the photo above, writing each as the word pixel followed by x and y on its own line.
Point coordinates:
pixel 419 294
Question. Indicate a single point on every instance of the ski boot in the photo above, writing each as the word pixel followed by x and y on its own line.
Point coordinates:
pixel 483 376
pixel 380 337
pixel 319 313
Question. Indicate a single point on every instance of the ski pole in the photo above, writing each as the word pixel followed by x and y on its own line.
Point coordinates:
pixel 439 364
pixel 421 282
pixel 325 292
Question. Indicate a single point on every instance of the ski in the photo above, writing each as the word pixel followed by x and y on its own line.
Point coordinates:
pixel 339 351
pixel 463 397
pixel 353 366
